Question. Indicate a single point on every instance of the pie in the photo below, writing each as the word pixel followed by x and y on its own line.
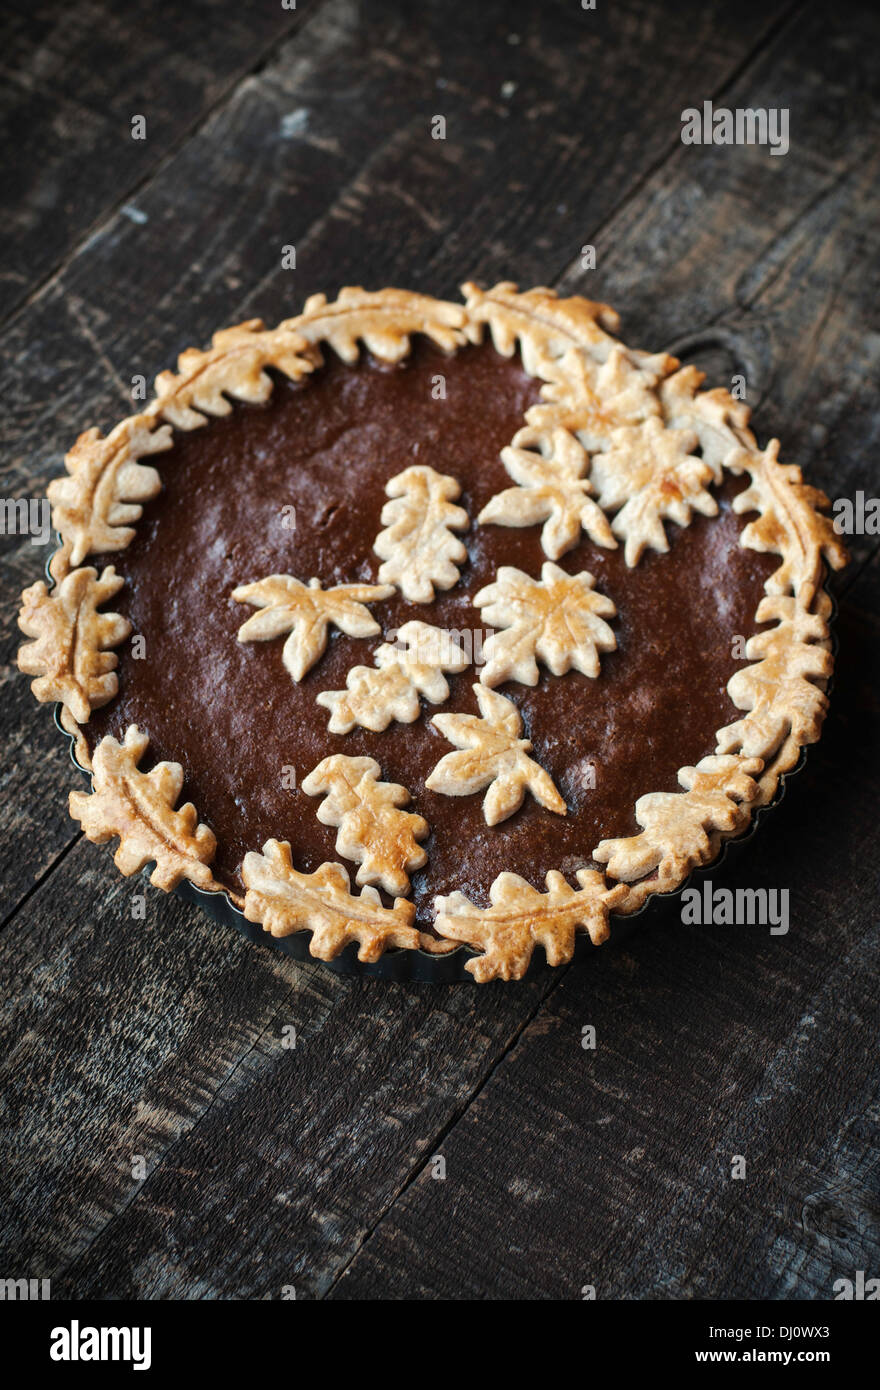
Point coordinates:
pixel 432 627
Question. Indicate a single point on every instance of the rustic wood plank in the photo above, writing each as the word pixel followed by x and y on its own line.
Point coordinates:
pixel 72 78
pixel 165 1039
pixel 269 1167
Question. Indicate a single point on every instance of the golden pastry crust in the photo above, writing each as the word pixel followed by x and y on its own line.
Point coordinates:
pixel 71 656
pixel 412 666
pixel 418 545
pixel 492 754
pixel 558 620
pixel 303 613
pixel 521 917
pixel 620 441
pixel 285 901
pixel 138 808
pixel 373 830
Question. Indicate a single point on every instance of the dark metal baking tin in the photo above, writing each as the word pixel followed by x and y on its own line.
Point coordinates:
pixel 419 966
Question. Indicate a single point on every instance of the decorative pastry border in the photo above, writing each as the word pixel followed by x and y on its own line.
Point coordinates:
pixel 607 414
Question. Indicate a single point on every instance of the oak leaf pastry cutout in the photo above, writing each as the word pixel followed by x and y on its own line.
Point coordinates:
pixel 286 901
pixel 70 657
pixel 234 365
pixel 522 917
pixel 410 667
pixel 790 524
pixel 558 620
pixel 418 547
pixel 783 691
pixel 383 320
pixel 138 807
pixel 96 505
pixel 549 471
pixel 373 832
pixel 544 326
pixel 674 838
pixel 493 755
pixel 305 611
pixel 650 474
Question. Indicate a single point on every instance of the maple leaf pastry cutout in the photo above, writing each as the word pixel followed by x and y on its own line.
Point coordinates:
pixel 650 473
pixel 493 755
pixel 305 611
pixel 558 620
pixel 418 546
pixel 549 470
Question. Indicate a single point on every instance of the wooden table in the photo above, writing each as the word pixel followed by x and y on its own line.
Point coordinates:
pixel 159 1138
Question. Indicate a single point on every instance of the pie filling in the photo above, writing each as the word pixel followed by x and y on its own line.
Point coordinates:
pixel 297 487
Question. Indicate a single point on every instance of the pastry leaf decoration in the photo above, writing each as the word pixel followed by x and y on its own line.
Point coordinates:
pixel 96 505
pixel 373 832
pixel 544 325
pixel 583 401
pixel 234 365
pixel 647 475
pixel 383 320
pixel 676 827
pixel 591 398
pixel 780 690
pixel 493 755
pixel 558 620
pixel 718 421
pixel 305 611
pixel 286 901
pixel 549 470
pixel 522 917
pixel 139 808
pixel 790 524
pixel 70 657
pixel 404 670
pixel 418 546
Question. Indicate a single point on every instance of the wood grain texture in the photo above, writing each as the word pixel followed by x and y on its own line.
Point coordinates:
pixel 165 1039
pixel 73 76
pixel 266 1166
